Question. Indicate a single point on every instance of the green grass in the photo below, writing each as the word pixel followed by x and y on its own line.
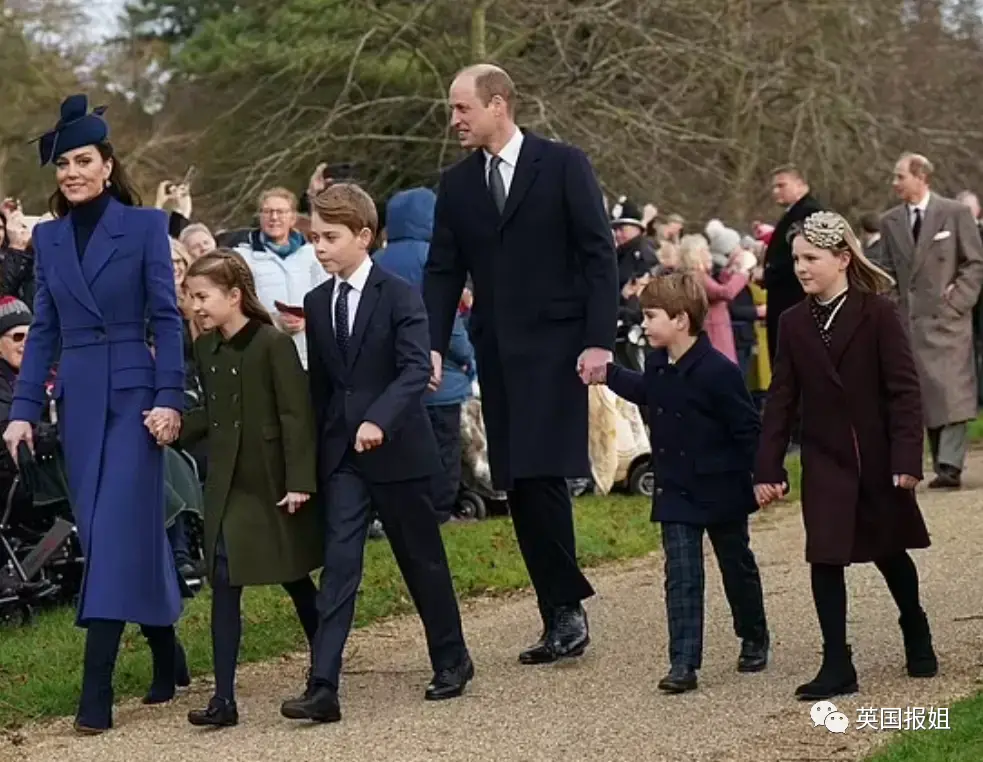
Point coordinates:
pixel 39 665
pixel 963 742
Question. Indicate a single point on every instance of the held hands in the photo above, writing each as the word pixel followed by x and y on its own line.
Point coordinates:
pixel 15 433
pixel 293 501
pixel 769 493
pixel 368 437
pixel 163 423
pixel 592 365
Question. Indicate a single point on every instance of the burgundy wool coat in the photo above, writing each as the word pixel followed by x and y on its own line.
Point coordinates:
pixel 861 414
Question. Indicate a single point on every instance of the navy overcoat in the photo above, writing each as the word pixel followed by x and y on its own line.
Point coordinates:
pixel 96 311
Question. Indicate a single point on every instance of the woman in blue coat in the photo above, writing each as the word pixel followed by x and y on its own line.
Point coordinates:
pixel 103 278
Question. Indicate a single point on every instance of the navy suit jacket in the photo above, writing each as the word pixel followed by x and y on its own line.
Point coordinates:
pixel 383 381
pixel 704 429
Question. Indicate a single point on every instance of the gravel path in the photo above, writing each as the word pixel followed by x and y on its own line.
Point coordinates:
pixel 604 706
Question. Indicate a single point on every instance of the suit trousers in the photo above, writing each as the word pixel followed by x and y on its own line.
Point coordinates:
pixel 407 515
pixel 542 514
pixel 948 446
pixel 685 582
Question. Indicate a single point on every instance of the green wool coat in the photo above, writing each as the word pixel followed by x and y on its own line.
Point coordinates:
pixel 258 419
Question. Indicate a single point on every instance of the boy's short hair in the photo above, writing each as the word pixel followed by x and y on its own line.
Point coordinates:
pixel 676 293
pixel 347 204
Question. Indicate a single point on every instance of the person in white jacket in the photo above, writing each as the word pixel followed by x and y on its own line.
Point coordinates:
pixel 283 263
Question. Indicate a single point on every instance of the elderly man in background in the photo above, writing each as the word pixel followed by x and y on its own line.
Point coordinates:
pixel 283 263
pixel 934 247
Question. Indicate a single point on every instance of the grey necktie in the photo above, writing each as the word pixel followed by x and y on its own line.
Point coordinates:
pixel 495 183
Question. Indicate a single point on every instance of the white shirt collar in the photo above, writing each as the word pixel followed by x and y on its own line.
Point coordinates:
pixel 921 205
pixel 510 151
pixel 360 276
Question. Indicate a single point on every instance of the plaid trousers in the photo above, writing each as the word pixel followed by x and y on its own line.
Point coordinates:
pixel 682 546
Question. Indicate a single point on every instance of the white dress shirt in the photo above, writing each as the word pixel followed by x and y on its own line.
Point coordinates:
pixel 510 158
pixel 357 282
pixel 921 206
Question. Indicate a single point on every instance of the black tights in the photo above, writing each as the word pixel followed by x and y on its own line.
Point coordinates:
pixel 829 594
pixel 227 622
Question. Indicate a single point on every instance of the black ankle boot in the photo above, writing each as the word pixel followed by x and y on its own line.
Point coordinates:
pixel 836 677
pixel 95 710
pixel 182 674
pixel 920 657
pixel 163 648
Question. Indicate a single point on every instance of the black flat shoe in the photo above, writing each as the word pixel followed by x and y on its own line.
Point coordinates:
pixel 450 683
pixel 220 713
pixel 680 679
pixel 754 656
pixel 319 704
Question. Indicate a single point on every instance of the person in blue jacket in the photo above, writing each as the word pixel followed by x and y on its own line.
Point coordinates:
pixel 104 276
pixel 409 225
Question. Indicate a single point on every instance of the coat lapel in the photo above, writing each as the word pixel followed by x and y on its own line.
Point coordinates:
pixel 525 172
pixel 850 317
pixel 103 243
pixel 366 306
pixel 813 341
pixel 68 268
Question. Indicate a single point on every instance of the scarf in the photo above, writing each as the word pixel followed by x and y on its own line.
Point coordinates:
pixel 283 251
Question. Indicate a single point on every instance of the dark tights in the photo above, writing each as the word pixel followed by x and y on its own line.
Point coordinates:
pixel 227 622
pixel 829 594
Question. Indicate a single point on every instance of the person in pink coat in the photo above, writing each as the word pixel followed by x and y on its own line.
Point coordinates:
pixel 694 254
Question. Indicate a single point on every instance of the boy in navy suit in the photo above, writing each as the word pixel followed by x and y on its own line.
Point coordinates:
pixel 704 431
pixel 369 364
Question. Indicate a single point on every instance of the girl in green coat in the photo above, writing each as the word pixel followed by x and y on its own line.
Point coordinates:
pixel 261 463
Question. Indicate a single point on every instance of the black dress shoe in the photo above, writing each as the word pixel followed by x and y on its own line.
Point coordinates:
pixel 450 683
pixel 679 680
pixel 836 677
pixel 947 477
pixel 566 636
pixel 754 656
pixel 319 703
pixel 220 713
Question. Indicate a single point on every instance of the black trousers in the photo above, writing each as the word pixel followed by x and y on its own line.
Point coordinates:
pixel 446 423
pixel 542 514
pixel 227 619
pixel 829 594
pixel 407 515
pixel 685 582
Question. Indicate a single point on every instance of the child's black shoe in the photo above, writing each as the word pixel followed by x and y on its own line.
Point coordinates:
pixel 220 713
pixel 679 680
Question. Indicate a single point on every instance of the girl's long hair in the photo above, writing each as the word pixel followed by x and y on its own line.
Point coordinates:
pixel 228 270
pixel 119 186
pixel 861 273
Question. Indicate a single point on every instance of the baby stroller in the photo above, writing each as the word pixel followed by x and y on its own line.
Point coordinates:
pixel 41 558
pixel 477 498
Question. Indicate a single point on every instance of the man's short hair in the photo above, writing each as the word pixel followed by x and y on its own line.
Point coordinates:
pixel 871 222
pixel 676 293
pixel 286 195
pixel 347 204
pixel 918 165
pixel 491 80
pixel 789 169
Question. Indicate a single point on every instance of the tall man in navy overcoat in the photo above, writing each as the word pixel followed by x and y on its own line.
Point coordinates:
pixel 525 218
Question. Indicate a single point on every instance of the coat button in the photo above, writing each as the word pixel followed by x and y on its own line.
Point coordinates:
pixel 658 411
pixel 658 490
pixel 235 397
pixel 682 452
pixel 662 451
pixel 235 371
pixel 212 369
pixel 236 424
pixel 215 424
pixel 212 397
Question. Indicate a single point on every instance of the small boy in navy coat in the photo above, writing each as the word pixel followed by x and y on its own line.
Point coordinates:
pixel 704 431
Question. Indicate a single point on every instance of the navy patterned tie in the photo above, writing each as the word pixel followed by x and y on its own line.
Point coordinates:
pixel 341 318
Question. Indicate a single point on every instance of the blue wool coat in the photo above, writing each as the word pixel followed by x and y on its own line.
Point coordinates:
pixel 704 430
pixel 97 311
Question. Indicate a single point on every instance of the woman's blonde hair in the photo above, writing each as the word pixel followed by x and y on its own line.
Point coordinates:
pixel 694 251
pixel 180 251
pixel 831 232
pixel 228 270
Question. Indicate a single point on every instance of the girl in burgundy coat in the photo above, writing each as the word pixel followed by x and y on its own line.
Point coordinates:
pixel 843 356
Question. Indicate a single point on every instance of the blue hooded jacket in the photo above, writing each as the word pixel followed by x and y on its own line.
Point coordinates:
pixel 409 227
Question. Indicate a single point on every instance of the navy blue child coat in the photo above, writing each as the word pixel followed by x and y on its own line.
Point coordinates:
pixel 704 431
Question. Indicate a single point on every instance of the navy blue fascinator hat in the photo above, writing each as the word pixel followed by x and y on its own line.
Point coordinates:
pixel 77 127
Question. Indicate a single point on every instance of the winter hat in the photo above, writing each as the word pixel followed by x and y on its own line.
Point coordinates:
pixel 723 241
pixel 13 313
